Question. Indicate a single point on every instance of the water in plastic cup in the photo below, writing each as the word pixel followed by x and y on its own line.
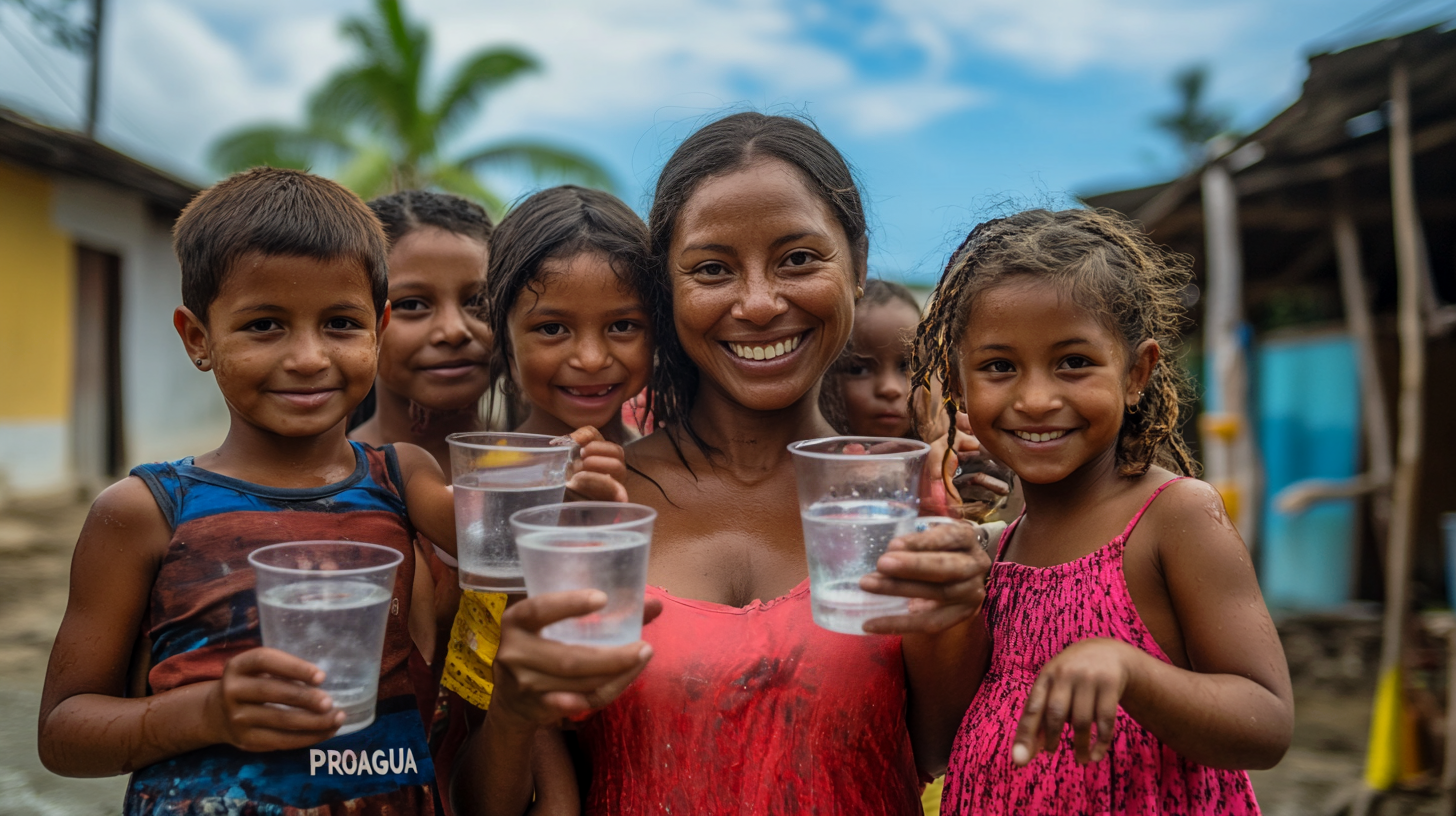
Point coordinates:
pixel 496 474
pixel 328 602
pixel 855 495
pixel 589 545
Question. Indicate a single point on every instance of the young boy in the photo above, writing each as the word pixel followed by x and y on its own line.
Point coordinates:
pixel 283 289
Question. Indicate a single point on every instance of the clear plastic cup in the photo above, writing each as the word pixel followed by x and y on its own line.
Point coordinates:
pixel 856 493
pixel 328 603
pixel 589 545
pixel 496 474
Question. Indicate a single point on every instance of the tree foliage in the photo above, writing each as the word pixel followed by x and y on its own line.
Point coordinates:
pixel 59 22
pixel 1193 122
pixel 379 125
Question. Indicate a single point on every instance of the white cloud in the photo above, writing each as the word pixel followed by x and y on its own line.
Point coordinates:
pixel 899 108
pixel 175 82
pixel 621 56
pixel 1064 36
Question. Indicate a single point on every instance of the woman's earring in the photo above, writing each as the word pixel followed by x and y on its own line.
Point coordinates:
pixel 858 292
pixel 198 362
pixel 1133 409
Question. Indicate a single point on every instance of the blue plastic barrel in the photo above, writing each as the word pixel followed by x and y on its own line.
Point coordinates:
pixel 1448 527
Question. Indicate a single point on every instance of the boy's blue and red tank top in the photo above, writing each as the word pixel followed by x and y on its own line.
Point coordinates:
pixel 204 611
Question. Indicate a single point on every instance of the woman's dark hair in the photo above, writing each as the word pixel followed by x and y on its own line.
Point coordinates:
pixel 1108 266
pixel 722 147
pixel 404 212
pixel 558 224
pixel 877 292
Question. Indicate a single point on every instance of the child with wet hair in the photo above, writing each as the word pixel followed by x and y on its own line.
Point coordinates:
pixel 1132 666
pixel 573 343
pixel 573 337
pixel 284 291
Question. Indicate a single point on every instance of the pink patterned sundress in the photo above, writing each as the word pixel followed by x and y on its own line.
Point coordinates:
pixel 1032 614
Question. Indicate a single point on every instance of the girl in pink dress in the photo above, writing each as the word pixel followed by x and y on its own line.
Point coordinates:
pixel 1132 667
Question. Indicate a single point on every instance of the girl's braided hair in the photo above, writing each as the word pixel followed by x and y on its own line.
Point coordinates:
pixel 1107 265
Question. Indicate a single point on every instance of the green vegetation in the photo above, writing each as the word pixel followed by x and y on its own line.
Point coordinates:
pixel 1193 123
pixel 378 126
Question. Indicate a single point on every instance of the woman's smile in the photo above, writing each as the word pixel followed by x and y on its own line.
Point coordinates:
pixel 752 350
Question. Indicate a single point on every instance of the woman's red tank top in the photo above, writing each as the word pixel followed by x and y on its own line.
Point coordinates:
pixel 750 710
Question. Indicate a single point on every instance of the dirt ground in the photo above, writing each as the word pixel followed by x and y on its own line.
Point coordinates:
pixel 1321 774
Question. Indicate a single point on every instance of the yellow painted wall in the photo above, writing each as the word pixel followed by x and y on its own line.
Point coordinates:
pixel 36 301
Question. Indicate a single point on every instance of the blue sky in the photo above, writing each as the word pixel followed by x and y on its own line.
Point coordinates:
pixel 951 110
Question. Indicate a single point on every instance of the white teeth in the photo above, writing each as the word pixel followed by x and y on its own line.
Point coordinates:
pixel 765 352
pixel 1040 437
pixel 577 392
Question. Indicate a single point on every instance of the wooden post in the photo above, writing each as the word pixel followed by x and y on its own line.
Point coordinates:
pixel 1348 261
pixel 1408 255
pixel 93 83
pixel 1383 765
pixel 1228 454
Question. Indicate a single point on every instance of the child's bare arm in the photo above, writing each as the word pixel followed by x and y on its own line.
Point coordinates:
pixel 428 498
pixel 555 777
pixel 943 639
pixel 1233 709
pixel 87 727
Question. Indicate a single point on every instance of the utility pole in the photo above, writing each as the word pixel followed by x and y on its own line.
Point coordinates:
pixel 93 86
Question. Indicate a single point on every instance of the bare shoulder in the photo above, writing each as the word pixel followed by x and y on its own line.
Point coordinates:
pixel 1194 531
pixel 125 519
pixel 414 460
pixel 652 456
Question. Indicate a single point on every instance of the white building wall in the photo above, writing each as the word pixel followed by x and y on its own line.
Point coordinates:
pixel 169 409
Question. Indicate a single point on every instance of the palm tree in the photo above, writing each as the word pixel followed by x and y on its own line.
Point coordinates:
pixel 378 126
pixel 1192 123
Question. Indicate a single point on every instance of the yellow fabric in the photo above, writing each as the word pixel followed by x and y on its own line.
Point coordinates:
pixel 930 798
pixel 474 639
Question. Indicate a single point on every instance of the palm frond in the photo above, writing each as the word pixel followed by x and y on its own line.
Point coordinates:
pixel 370 173
pixel 366 97
pixel 541 161
pixel 274 146
pixel 480 75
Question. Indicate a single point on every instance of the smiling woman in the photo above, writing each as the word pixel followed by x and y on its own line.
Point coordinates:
pixel 758 252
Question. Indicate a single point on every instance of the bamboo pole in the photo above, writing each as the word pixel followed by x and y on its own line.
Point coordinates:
pixel 1383 767
pixel 1408 255
pixel 1225 427
pixel 1362 330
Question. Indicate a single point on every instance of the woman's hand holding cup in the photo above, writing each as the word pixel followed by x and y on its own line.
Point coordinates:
pixel 942 570
pixel 539 682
